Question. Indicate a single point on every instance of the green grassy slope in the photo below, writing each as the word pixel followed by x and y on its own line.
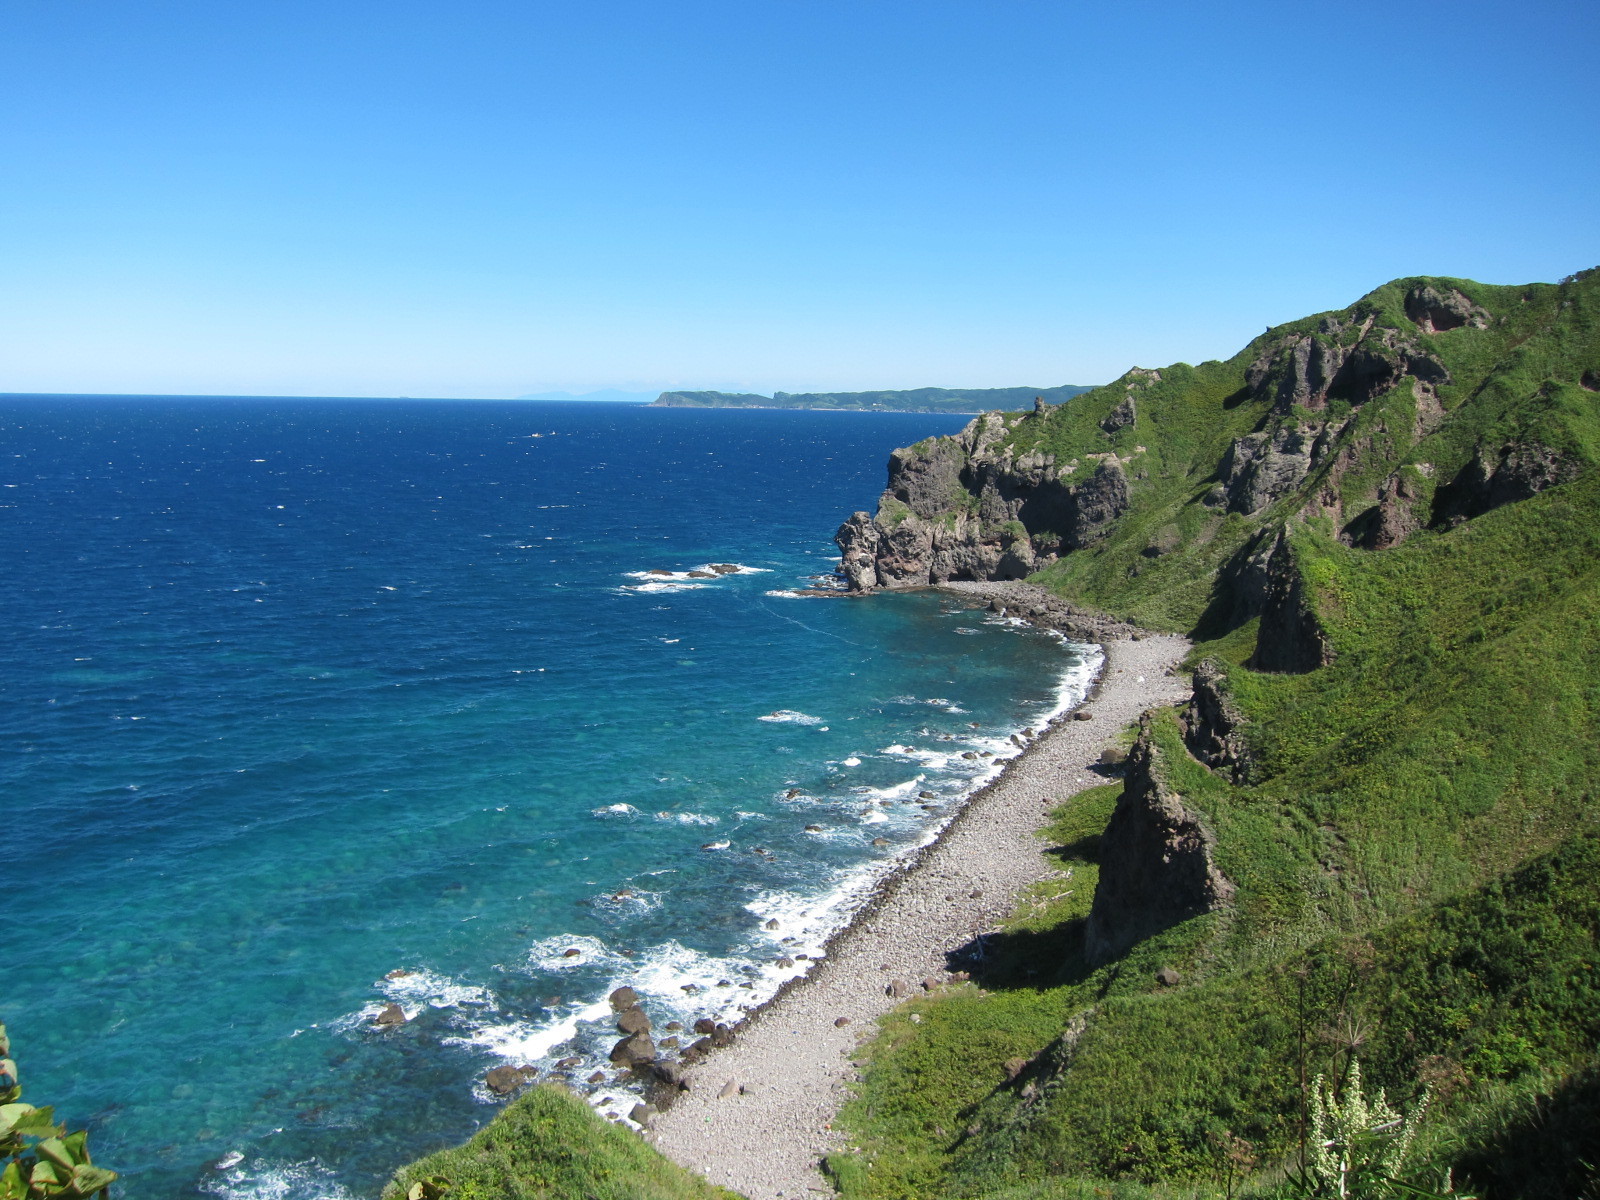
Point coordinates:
pixel 1413 844
pixel 550 1145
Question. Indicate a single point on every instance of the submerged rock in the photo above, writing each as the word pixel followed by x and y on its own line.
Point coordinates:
pixel 391 1016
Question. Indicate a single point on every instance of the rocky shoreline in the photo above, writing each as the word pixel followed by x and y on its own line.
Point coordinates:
pixel 754 1112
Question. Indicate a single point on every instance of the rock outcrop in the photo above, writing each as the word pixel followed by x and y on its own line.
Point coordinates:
pixel 1395 516
pixel 969 507
pixel 1435 311
pixel 1156 866
pixel 1310 382
pixel 1213 727
pixel 1290 638
pixel 1503 475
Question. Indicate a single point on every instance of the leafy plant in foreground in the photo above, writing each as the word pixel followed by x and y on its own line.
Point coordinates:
pixel 42 1160
pixel 1358 1143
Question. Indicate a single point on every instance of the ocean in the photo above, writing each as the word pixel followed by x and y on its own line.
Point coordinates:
pixel 310 707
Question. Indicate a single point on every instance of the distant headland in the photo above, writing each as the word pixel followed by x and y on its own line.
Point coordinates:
pixel 930 399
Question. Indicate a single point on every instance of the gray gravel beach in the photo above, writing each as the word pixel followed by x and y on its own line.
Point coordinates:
pixel 792 1060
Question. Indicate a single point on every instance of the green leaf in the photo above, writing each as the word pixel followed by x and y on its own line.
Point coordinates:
pixel 56 1151
pixel 12 1185
pixel 87 1180
pixel 27 1120
pixel 77 1145
pixel 45 1175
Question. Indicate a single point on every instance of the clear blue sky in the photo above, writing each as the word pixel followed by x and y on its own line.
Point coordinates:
pixel 494 197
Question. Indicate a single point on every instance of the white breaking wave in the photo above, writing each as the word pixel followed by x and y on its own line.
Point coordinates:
pixel 788 716
pixel 615 810
pixel 262 1180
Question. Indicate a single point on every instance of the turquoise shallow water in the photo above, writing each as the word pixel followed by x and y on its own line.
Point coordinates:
pixel 311 706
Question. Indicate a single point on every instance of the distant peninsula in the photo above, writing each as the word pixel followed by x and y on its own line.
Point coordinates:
pixel 930 399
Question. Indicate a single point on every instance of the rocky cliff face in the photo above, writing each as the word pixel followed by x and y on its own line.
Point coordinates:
pixel 1212 725
pixel 1156 865
pixel 969 507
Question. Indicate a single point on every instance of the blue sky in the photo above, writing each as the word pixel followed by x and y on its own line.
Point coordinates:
pixel 487 198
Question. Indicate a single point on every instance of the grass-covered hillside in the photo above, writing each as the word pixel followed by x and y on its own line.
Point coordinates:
pixel 1382 529
pixel 1367 850
pixel 550 1145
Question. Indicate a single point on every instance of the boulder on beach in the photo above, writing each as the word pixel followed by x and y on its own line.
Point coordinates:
pixel 633 1050
pixel 640 1114
pixel 633 1020
pixel 502 1081
pixel 705 1025
pixel 1080 715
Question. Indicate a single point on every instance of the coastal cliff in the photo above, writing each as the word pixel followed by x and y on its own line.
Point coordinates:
pixel 1369 836
pixel 1353 418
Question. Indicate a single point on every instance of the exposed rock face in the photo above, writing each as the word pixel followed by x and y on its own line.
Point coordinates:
pixel 965 507
pixel 1392 519
pixel 1123 415
pixel 1514 472
pixel 1260 467
pixel 1300 375
pixel 1290 639
pixel 1340 361
pixel 1435 311
pixel 1156 865
pixel 1212 724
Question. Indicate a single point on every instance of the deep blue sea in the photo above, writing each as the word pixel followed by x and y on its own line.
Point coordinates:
pixel 307 707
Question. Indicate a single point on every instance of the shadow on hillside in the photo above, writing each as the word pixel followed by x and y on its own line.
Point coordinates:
pixel 1037 959
pixel 1538 1154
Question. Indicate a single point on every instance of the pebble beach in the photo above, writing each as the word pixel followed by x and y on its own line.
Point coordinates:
pixel 757 1115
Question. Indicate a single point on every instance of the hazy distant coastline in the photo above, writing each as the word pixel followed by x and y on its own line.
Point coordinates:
pixel 930 399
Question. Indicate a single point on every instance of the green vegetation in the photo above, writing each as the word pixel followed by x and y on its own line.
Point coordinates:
pixel 42 1160
pixel 549 1144
pixel 1396 507
pixel 1414 841
pixel 950 400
